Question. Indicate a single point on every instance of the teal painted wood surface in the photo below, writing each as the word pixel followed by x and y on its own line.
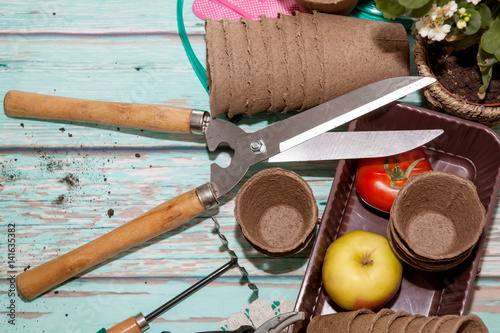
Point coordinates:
pixel 63 184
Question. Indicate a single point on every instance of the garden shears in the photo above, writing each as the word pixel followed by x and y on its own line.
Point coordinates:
pixel 293 138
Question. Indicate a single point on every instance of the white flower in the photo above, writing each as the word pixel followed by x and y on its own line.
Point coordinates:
pixel 434 12
pixel 423 26
pixel 438 33
pixel 474 2
pixel 450 8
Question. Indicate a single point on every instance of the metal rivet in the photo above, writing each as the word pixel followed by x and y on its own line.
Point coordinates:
pixel 256 146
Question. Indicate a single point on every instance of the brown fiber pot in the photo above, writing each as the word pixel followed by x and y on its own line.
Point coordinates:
pixel 436 220
pixel 277 212
pixel 295 62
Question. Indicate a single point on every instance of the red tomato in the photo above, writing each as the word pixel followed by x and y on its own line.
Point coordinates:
pixel 378 180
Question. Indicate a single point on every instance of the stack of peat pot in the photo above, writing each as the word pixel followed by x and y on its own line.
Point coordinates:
pixel 436 221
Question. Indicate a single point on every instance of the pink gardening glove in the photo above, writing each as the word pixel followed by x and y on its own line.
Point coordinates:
pixel 235 9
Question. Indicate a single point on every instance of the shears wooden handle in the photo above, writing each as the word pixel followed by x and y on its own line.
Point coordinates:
pixel 160 219
pixel 153 117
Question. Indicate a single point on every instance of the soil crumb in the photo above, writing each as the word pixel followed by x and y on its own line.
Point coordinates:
pixel 71 180
pixel 60 200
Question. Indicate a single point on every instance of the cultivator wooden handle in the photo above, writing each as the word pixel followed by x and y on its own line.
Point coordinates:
pixel 160 219
pixel 129 325
pixel 153 117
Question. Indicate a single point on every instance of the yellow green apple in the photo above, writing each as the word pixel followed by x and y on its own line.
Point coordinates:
pixel 360 270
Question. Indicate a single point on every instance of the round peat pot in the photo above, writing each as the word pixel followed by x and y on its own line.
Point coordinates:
pixel 470 323
pixel 405 254
pixel 437 218
pixel 277 212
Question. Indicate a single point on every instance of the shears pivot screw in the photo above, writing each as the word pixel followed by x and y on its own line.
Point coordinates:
pixel 257 146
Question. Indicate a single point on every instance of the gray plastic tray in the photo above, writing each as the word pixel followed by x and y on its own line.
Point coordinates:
pixel 467 149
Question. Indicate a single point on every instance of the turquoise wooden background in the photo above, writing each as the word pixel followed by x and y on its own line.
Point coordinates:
pixel 130 51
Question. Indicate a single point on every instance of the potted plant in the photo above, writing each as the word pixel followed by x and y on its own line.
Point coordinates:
pixel 449 30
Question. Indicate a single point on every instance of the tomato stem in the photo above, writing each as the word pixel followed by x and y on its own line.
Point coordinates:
pixel 398 174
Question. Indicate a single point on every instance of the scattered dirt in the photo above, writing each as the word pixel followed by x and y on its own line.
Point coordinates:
pixel 60 200
pixel 71 180
pixel 459 74
pixel 9 174
pixel 49 162
pixel 53 161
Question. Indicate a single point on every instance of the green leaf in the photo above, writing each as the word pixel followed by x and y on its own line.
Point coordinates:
pixel 485 13
pixel 466 42
pixel 474 24
pixel 490 41
pixel 419 12
pixel 412 4
pixel 390 8
pixel 485 62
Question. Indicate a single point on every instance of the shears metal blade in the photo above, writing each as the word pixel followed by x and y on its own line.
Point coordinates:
pixel 354 145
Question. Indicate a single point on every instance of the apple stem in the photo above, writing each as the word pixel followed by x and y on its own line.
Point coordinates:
pixel 365 261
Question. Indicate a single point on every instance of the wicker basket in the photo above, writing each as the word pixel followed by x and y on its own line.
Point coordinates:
pixel 440 99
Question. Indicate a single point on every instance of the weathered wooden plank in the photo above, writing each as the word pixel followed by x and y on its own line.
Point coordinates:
pixel 103 68
pixel 486 304
pixel 130 52
pixel 90 304
pixel 94 16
